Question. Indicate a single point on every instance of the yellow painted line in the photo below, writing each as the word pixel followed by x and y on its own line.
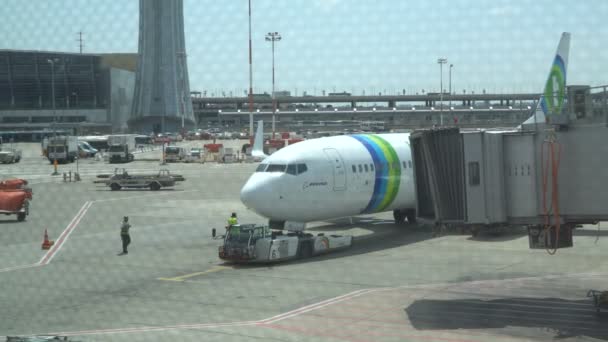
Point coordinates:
pixel 186 276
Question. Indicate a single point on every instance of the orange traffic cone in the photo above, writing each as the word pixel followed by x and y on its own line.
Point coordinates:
pixel 46 244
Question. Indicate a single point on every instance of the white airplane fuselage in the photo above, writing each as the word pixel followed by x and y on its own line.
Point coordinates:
pixel 333 177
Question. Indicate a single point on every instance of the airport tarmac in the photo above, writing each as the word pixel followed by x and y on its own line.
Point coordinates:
pixel 394 284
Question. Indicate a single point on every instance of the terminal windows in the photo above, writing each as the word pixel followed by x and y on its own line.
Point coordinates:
pixel 474 178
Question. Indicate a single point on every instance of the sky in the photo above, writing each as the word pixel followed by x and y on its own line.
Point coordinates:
pixel 376 46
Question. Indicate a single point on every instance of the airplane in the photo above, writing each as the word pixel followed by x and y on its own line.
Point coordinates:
pixel 346 176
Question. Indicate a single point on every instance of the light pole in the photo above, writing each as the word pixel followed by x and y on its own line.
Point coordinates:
pixel 52 62
pixel 273 37
pixel 450 86
pixel 441 62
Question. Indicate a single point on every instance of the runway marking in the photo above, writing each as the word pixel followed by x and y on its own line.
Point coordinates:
pixel 186 276
pixel 65 234
pixel 14 268
pixel 311 307
pixel 270 322
pixel 48 257
pixel 152 328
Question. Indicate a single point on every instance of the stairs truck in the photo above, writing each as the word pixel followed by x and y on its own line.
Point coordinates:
pixel 64 149
pixel 250 243
pixel 120 148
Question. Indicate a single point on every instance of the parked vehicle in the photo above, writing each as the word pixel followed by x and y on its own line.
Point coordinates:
pixel 121 148
pixel 174 153
pixel 63 149
pixel 122 179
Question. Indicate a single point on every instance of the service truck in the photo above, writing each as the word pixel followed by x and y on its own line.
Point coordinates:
pixel 64 149
pixel 251 243
pixel 122 179
pixel 120 148
pixel 175 154
pixel 15 198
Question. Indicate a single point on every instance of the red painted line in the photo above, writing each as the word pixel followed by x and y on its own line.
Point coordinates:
pixel 65 234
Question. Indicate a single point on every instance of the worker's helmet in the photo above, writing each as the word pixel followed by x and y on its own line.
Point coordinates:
pixel 126 218
pixel 233 214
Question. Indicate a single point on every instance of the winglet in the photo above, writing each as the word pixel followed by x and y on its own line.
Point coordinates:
pixel 258 142
pixel 552 99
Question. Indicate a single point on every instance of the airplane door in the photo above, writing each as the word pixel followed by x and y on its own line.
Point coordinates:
pixel 338 167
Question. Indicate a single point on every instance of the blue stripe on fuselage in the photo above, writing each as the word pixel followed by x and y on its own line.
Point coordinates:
pixel 380 170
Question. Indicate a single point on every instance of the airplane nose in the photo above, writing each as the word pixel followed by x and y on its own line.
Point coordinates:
pixel 249 195
pixel 257 195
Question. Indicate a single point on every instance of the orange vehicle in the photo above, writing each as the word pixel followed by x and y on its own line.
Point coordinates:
pixel 15 183
pixel 15 201
pixel 15 197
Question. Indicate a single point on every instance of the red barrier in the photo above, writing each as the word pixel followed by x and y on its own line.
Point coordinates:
pixel 213 148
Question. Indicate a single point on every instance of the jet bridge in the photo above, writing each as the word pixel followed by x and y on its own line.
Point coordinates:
pixel 549 176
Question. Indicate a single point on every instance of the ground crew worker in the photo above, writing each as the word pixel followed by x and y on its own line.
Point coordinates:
pixel 232 220
pixel 124 235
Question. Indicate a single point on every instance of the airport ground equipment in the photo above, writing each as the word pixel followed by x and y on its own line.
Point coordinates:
pixel 120 148
pixel 64 149
pixel 549 177
pixel 175 154
pixel 250 243
pixel 15 202
pixel 9 155
pixel 122 179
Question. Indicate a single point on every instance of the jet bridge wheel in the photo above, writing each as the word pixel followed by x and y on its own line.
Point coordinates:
pixel 115 186
pixel 154 186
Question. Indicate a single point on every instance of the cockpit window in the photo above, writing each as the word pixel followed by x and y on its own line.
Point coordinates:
pixel 276 168
pixel 261 168
pixel 291 169
pixel 302 168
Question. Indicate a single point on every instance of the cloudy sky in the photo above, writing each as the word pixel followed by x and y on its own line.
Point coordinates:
pixel 342 45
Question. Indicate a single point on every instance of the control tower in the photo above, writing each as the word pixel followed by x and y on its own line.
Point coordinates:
pixel 161 102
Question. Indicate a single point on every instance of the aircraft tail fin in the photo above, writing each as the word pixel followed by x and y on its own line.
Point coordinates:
pixel 552 99
pixel 258 142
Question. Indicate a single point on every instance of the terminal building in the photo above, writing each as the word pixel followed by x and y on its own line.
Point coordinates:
pixel 43 91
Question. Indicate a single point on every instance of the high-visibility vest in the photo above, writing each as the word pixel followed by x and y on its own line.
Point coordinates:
pixel 232 221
